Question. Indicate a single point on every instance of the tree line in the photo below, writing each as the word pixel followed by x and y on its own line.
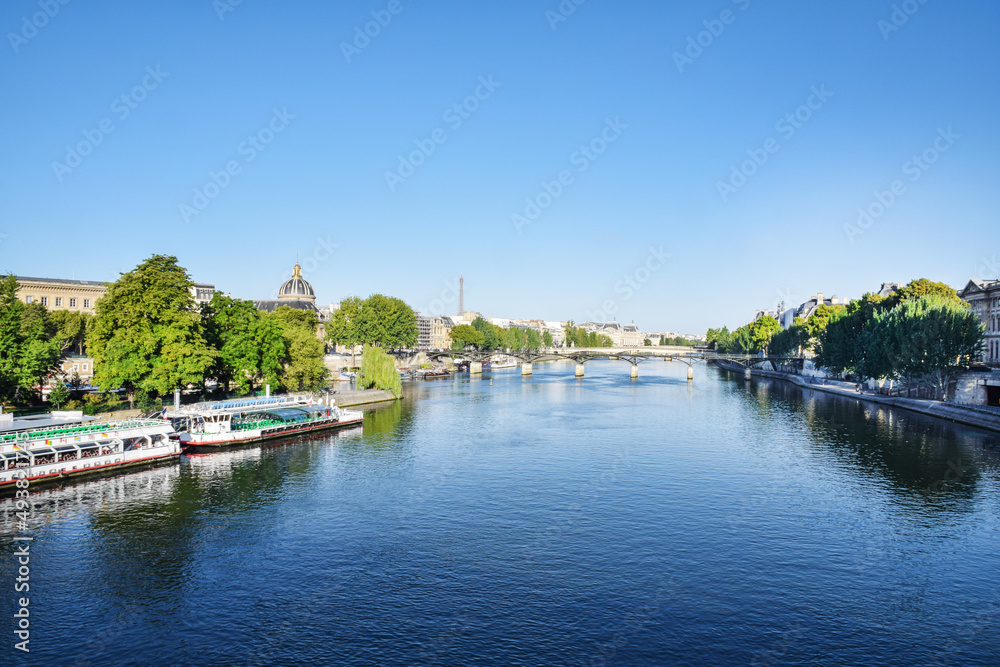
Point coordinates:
pixel 487 337
pixel 149 336
pixel 923 333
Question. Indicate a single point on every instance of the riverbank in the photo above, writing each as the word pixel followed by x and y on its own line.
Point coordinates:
pixel 363 397
pixel 954 413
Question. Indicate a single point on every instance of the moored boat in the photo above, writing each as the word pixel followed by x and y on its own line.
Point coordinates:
pixel 252 420
pixel 53 447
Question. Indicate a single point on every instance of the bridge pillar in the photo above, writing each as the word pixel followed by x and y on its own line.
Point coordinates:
pixel 579 370
pixel 634 373
pixel 475 368
pixel 525 368
pixel 690 372
pixel 746 374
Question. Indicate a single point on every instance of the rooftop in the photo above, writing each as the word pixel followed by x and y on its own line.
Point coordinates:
pixel 93 283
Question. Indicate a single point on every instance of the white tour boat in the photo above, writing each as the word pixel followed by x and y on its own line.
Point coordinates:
pixel 58 445
pixel 252 420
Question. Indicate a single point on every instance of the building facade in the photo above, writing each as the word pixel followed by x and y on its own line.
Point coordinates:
pixel 202 293
pixel 55 294
pixel 983 298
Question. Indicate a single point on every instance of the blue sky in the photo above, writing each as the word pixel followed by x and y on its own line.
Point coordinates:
pixel 639 228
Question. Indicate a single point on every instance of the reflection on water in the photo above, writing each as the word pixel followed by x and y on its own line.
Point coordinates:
pixel 542 520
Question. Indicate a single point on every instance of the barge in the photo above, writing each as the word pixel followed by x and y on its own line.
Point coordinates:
pixel 53 447
pixel 207 426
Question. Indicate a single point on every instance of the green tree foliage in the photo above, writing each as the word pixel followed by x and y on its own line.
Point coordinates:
pixel 922 287
pixel 491 334
pixel 380 320
pixel 59 394
pixel 305 369
pixel 72 329
pixel 748 339
pixel 344 328
pixel 788 342
pixel 41 349
pixel 378 369
pixel 148 332
pixel 580 337
pixel 516 339
pixel 817 323
pixel 930 338
pixel 841 347
pixel 388 322
pixel 251 347
pixel 465 335
pixel 547 339
pixel 720 339
pixel 30 348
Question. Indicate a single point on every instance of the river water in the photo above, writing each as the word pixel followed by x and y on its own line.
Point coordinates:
pixel 541 521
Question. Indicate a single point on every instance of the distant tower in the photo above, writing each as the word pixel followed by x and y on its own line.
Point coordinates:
pixel 461 294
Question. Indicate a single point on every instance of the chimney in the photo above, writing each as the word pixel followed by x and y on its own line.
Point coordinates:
pixel 819 298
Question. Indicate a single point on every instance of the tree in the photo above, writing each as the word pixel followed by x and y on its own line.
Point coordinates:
pixel 71 326
pixel 148 333
pixel 491 336
pixel 378 369
pixel 305 368
pixel 922 287
pixel 10 337
pixel 930 338
pixel 344 328
pixel 761 332
pixel 821 318
pixel 250 346
pixel 229 328
pixel 59 394
pixel 41 349
pixel 465 336
pixel 387 322
pixel 841 346
pixel 547 339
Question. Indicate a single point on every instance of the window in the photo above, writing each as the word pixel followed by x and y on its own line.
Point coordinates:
pixel 85 366
pixel 72 303
pixel 58 301
pixel 29 299
pixel 86 303
pixel 45 300
pixel 76 367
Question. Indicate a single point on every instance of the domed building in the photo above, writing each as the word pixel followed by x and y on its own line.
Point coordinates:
pixel 296 292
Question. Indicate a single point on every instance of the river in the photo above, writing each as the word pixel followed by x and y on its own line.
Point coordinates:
pixel 540 521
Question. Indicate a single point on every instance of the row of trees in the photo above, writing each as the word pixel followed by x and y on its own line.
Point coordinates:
pixel 487 337
pixel 923 333
pixel 379 320
pixel 924 339
pixel 580 337
pixel 150 336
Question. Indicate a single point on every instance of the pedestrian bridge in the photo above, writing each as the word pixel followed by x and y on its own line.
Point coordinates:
pixel 633 355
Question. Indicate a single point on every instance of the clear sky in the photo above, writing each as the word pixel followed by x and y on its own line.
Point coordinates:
pixel 312 120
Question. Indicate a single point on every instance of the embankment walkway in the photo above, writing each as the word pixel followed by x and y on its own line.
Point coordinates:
pixel 969 416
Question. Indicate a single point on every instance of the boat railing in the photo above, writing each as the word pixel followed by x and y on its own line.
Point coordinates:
pixel 100 427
